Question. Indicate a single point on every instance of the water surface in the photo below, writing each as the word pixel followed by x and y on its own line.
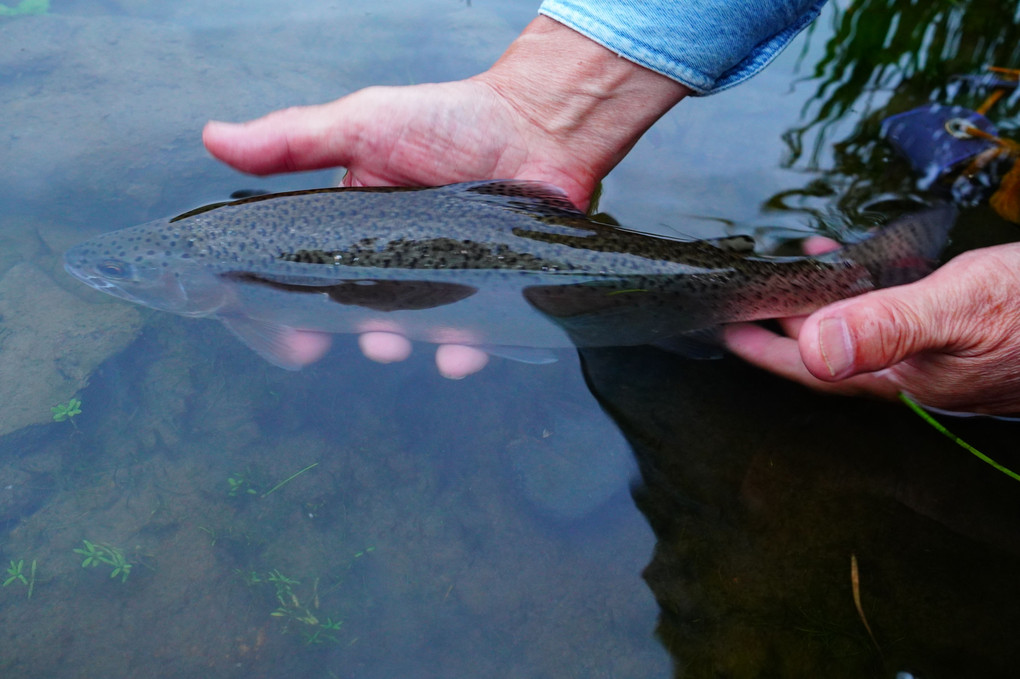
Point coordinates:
pixel 620 513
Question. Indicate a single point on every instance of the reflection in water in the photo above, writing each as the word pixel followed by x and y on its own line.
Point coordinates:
pixel 487 548
pixel 759 493
pixel 886 57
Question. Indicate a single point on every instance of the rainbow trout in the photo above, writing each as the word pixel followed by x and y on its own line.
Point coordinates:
pixel 492 264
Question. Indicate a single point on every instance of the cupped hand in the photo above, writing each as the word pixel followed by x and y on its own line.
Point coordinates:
pixel 557 107
pixel 419 135
pixel 950 341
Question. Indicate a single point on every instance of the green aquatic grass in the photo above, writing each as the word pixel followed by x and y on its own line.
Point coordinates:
pixel 924 415
pixel 290 478
pixel 96 554
pixel 16 573
pixel 297 607
pixel 298 613
pixel 239 485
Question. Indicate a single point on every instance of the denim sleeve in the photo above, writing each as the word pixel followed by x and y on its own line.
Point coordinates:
pixel 707 45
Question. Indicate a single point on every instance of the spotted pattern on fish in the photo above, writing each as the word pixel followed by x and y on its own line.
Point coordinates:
pixel 523 236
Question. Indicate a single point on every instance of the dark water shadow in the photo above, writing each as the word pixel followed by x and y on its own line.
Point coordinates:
pixel 759 492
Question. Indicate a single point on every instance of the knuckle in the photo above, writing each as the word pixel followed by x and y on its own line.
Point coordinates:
pixel 983 297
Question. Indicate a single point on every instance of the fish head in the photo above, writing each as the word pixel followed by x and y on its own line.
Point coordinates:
pixel 129 266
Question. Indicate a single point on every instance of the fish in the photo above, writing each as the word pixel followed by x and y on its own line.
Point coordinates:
pixel 508 266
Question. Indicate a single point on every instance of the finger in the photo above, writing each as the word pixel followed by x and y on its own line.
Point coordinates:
pixel 819 245
pixel 876 330
pixel 384 347
pixel 457 361
pixel 781 356
pixel 300 138
pixel 306 346
pixel 763 348
pixel 791 326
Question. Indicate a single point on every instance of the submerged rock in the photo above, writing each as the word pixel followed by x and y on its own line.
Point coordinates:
pixel 50 342
pixel 573 466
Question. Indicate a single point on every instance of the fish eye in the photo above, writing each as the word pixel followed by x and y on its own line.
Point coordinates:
pixel 114 268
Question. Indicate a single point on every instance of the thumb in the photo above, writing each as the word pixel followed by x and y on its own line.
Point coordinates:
pixel 290 140
pixel 876 330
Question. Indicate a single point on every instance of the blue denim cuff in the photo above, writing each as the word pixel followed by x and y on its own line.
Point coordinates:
pixel 707 45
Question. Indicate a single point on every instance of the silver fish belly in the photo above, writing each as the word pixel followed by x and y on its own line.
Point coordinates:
pixel 491 264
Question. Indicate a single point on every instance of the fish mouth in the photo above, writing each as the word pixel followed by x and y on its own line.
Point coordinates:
pixel 90 279
pixel 165 292
pixel 99 283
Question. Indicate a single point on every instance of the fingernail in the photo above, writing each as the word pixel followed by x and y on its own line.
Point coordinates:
pixel 836 345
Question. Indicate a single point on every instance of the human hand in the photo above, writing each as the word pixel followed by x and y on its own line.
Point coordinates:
pixel 950 341
pixel 557 107
pixel 418 135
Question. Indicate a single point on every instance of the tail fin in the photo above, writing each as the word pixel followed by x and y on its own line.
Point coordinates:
pixel 906 249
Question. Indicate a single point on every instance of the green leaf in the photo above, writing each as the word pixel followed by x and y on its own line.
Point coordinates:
pixel 64 411
pixel 938 426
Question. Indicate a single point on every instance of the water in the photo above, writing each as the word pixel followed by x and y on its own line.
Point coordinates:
pixel 503 525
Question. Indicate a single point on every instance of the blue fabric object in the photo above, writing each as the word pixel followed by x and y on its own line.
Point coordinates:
pixel 707 45
pixel 920 135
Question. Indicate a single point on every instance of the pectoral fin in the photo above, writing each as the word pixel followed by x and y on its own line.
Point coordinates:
pixel 281 345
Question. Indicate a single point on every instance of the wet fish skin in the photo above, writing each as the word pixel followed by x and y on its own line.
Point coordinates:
pixel 471 263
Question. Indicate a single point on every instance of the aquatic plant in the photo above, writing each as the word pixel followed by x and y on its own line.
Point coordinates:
pixel 321 635
pixel 250 578
pixel 66 411
pixel 96 553
pixel 940 428
pixel 15 573
pixel 290 478
pixel 290 606
pixel 284 586
pixel 297 607
pixel 25 7
pixel 291 609
pixel 239 485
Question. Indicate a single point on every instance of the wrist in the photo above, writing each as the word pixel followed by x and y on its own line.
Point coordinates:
pixel 582 97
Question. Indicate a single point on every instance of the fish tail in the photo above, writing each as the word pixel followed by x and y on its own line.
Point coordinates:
pixel 906 249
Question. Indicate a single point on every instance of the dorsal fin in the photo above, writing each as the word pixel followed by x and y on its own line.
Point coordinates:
pixel 300 192
pixel 741 244
pixel 536 197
